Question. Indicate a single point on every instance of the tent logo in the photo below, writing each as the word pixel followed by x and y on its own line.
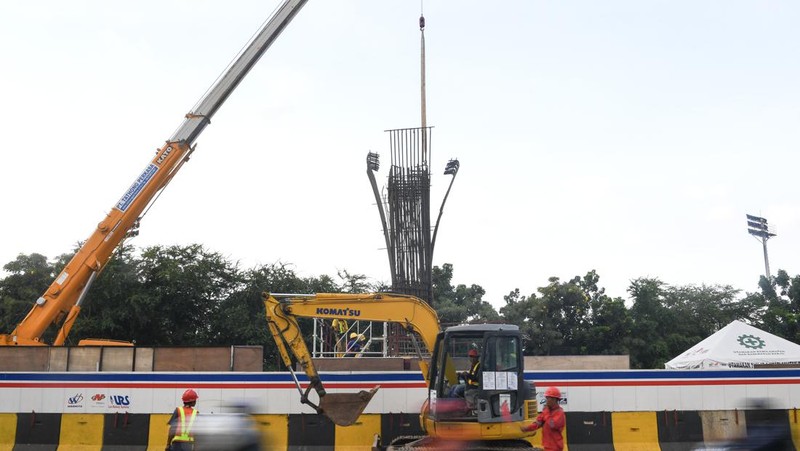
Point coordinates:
pixel 751 341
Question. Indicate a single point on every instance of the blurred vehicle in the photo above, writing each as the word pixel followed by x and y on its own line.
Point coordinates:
pixel 234 431
pixel 767 430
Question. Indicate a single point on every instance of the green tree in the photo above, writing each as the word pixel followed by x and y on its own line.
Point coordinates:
pixel 608 326
pixel 517 311
pixel 698 312
pixel 557 318
pixel 459 304
pixel 113 307
pixel 242 318
pixel 353 283
pixel 651 323
pixel 181 291
pixel 781 297
pixel 610 330
pixel 574 317
pixel 28 278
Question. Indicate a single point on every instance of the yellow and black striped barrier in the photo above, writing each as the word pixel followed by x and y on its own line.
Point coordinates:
pixel 595 431
pixel 130 432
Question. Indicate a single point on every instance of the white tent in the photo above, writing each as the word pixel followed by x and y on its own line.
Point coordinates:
pixel 737 345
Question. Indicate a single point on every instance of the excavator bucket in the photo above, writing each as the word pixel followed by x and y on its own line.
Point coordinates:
pixel 345 408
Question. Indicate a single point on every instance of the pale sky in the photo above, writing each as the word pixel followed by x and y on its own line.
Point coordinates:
pixel 630 137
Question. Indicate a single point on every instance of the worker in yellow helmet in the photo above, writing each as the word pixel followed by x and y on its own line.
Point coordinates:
pixel 355 344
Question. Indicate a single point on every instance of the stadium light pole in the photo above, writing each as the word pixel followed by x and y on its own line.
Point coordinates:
pixel 373 164
pixel 759 228
pixel 451 169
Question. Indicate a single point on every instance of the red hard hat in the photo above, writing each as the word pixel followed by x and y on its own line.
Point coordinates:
pixel 189 395
pixel 552 392
pixel 472 353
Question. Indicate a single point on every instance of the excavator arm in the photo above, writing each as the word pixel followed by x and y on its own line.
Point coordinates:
pixel 282 312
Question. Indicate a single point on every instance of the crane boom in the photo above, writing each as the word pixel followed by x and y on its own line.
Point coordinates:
pixel 201 115
pixel 60 303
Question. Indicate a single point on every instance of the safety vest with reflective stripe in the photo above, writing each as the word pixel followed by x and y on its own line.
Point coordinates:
pixel 339 325
pixel 185 429
pixel 472 378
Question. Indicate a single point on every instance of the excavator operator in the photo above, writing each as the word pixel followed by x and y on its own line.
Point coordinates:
pixel 470 377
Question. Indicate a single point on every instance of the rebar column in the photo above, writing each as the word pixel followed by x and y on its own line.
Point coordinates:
pixel 409 219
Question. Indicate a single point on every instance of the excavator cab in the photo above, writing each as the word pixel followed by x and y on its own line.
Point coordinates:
pixel 501 395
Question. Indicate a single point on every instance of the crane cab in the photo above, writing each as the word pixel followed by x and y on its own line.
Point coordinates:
pixel 501 399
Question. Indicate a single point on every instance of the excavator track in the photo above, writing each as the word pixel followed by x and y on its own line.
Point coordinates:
pixel 424 443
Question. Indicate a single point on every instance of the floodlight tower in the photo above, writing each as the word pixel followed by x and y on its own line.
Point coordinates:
pixel 759 228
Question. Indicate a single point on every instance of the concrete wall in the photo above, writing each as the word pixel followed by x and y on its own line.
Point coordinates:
pixel 235 358
pixel 577 362
pixel 133 359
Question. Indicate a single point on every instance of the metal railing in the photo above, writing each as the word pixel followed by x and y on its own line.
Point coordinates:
pixel 379 340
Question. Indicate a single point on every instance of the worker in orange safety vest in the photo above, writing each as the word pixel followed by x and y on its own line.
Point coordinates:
pixel 181 422
pixel 551 421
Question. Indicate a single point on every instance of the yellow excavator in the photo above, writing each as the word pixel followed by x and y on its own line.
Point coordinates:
pixel 487 416
pixel 60 304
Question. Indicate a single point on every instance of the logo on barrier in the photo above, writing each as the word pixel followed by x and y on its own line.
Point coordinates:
pixel 75 401
pixel 540 398
pixel 751 341
pixel 119 401
pixel 98 397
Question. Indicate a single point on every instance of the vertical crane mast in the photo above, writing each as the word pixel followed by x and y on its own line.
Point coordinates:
pixel 61 301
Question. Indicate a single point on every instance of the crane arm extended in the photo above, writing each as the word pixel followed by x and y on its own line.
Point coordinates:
pixel 282 312
pixel 60 303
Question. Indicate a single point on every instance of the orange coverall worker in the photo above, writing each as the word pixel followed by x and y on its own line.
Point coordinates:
pixel 551 421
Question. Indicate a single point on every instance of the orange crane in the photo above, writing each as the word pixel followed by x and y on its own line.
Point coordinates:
pixel 61 302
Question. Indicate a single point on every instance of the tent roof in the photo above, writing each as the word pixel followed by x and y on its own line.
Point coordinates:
pixel 738 345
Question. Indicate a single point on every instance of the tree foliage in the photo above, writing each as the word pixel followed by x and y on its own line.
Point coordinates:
pixel 780 305
pixel 190 296
pixel 28 277
pixel 569 318
pixel 459 304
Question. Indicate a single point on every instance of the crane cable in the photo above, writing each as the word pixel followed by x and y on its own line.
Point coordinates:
pixel 423 113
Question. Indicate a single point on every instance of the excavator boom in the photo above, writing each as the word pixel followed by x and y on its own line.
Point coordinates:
pixel 283 310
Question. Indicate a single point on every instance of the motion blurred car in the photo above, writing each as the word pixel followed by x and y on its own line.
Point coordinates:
pixel 767 430
pixel 234 431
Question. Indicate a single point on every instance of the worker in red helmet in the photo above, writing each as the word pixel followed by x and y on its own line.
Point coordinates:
pixel 551 421
pixel 470 377
pixel 180 423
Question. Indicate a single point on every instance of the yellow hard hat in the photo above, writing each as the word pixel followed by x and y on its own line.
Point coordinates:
pixel 353 335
